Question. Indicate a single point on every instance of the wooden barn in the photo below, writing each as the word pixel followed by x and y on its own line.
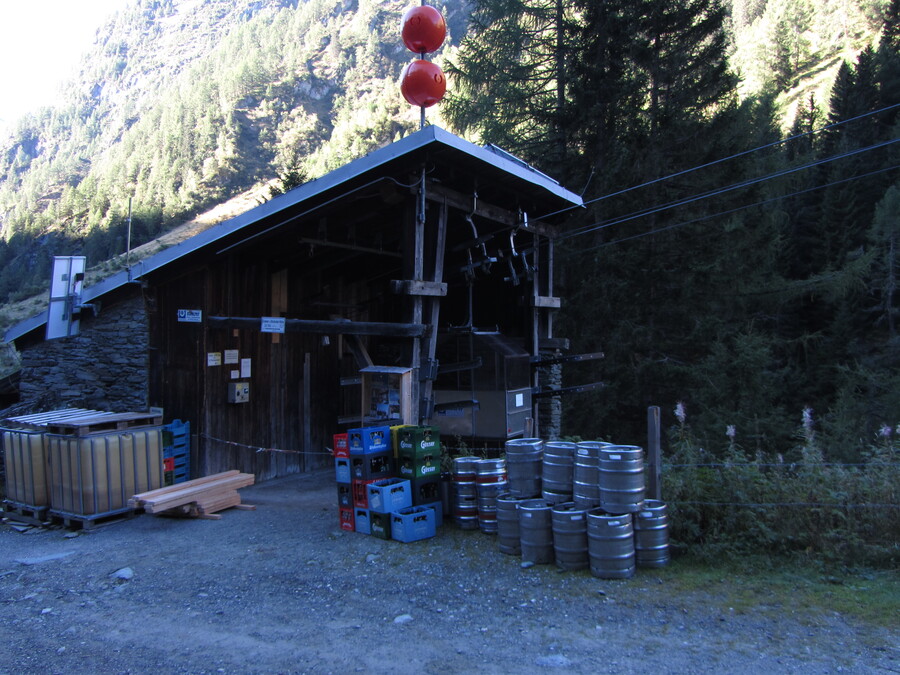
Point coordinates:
pixel 413 285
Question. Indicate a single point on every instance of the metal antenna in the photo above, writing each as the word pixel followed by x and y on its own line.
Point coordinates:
pixel 128 242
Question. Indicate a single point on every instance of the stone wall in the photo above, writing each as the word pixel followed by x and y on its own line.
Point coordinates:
pixel 550 409
pixel 104 367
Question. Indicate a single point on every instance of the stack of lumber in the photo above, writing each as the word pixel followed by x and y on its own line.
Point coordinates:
pixel 199 498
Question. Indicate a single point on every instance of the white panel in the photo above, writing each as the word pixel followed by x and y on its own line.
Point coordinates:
pixel 66 283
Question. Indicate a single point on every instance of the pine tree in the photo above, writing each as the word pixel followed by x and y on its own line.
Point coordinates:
pixel 511 77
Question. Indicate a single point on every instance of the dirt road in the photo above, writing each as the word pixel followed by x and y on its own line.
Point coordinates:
pixel 282 590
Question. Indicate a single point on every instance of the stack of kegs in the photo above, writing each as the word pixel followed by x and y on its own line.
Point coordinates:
pixel 463 494
pixel 490 481
pixel 592 512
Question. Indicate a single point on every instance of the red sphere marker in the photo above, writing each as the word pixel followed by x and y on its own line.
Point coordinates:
pixel 424 29
pixel 423 83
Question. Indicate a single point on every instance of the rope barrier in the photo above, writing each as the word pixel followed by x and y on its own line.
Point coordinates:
pixel 259 449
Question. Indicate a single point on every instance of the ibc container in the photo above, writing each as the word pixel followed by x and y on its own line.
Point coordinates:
pixel 99 473
pixel 24 456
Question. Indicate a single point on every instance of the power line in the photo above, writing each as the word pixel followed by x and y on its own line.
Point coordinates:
pixel 739 208
pixel 719 161
pixel 713 193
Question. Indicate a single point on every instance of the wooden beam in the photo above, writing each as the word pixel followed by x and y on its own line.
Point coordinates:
pixel 463 202
pixel 326 327
pixel 419 287
pixel 349 247
pixel 654 454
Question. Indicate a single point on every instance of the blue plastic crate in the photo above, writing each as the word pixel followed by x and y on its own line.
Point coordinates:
pixel 389 495
pixel 363 525
pixel 369 439
pixel 412 524
pixel 177 447
pixel 342 469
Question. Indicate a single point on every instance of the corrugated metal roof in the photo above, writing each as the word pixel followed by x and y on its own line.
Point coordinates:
pixel 429 137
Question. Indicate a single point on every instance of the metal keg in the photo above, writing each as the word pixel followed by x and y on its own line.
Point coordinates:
pixel 508 523
pixel 622 483
pixel 570 543
pixel 464 469
pixel 523 466
pixel 490 471
pixel 610 545
pixel 557 474
pixel 651 534
pixel 536 531
pixel 464 496
pixel 586 473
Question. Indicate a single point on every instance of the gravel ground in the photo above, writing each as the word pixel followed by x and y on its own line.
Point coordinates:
pixel 282 589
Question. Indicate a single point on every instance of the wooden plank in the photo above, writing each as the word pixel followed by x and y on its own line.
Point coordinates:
pixel 349 247
pixel 81 426
pixel 654 454
pixel 151 494
pixel 196 493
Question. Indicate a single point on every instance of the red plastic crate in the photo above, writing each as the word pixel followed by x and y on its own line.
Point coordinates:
pixel 361 493
pixel 341 448
pixel 347 521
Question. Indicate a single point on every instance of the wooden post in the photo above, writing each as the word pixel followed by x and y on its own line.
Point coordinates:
pixel 307 412
pixel 654 453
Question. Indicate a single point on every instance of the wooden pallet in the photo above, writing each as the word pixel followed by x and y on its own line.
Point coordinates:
pixel 198 498
pixel 25 513
pixel 78 521
pixel 91 424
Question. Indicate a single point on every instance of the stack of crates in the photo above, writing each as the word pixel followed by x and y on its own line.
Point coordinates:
pixel 176 452
pixel 344 487
pixel 371 459
pixel 383 471
pixel 419 461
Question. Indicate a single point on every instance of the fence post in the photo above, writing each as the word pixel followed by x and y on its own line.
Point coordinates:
pixel 654 453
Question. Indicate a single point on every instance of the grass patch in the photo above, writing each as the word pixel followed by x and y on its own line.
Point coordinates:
pixel 780 585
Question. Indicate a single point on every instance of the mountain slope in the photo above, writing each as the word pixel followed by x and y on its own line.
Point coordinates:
pixel 183 103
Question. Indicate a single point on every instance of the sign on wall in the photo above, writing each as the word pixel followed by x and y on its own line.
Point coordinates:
pixel 190 316
pixel 272 324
